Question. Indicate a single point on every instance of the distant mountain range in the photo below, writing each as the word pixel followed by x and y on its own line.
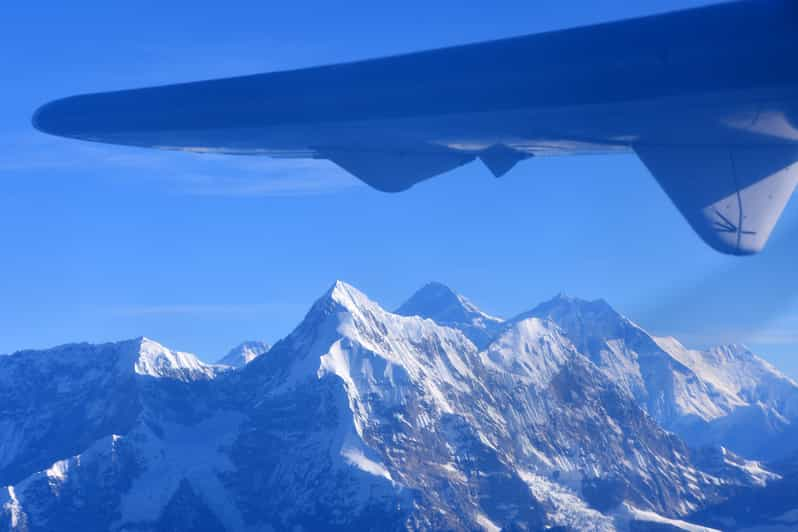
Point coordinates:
pixel 435 417
pixel 244 353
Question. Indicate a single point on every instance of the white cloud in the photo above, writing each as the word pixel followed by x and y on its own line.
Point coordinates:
pixel 175 172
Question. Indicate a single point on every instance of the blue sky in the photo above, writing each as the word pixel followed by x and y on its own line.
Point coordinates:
pixel 200 252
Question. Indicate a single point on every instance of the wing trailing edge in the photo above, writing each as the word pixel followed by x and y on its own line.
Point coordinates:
pixel 732 196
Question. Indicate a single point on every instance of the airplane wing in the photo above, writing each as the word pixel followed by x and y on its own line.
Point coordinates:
pixel 707 98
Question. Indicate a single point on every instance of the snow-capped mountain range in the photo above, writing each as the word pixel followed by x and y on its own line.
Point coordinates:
pixel 435 417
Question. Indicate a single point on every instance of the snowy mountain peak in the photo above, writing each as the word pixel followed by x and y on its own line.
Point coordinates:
pixel 140 356
pixel 151 359
pixel 438 300
pixel 244 353
pixel 435 294
pixel 348 296
pixel 563 305
pixel 707 397
pixel 443 305
pixel 587 324
pixel 347 335
pixel 666 385
pixel 360 319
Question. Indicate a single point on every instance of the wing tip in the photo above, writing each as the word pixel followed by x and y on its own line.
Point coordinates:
pixel 39 120
pixel 57 118
pixel 732 196
pixel 732 248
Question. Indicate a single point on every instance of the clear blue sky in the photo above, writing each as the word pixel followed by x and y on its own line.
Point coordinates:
pixel 103 243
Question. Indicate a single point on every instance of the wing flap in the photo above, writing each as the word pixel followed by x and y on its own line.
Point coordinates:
pixel 732 196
